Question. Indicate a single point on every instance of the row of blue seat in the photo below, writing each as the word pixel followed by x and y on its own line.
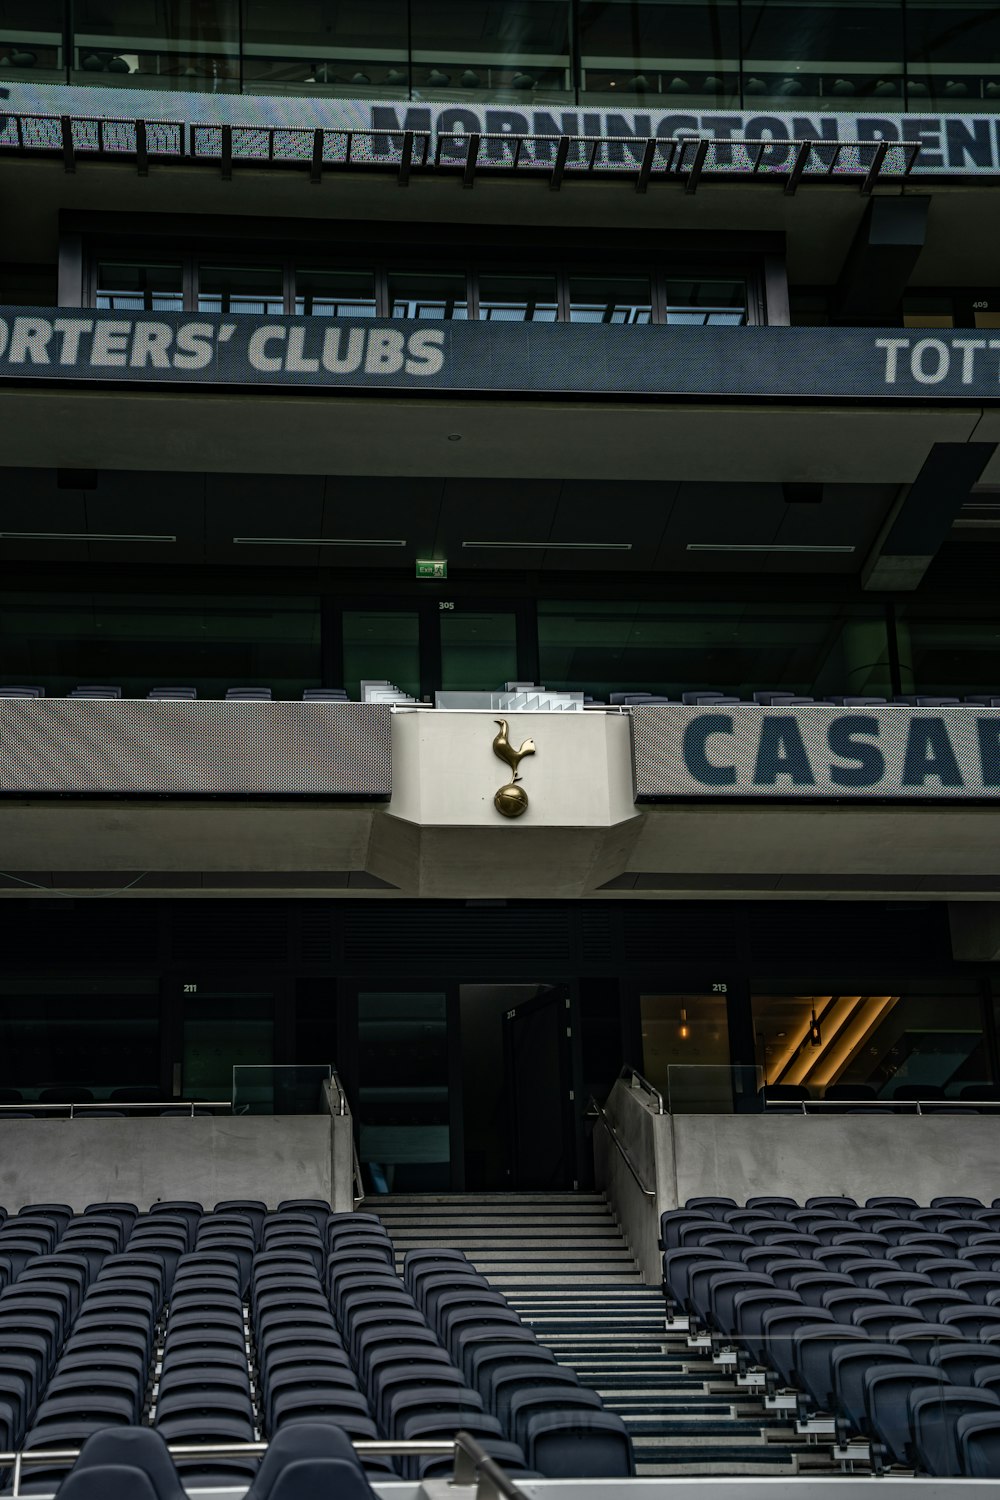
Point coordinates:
pixel 310 1461
pixel 172 694
pixel 778 699
pixel 226 1327
pixel 885 1316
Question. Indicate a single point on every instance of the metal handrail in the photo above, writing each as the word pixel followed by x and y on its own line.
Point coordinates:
pixel 632 1075
pixel 597 1111
pixel 70 1111
pixel 473 1464
pixel 918 1106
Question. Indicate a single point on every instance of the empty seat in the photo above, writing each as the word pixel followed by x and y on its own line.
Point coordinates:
pixel 20 690
pixel 88 690
pixel 579 1444
pixel 170 694
pixel 934 1417
pixel 978 1436
pixel 324 695
pixel 248 695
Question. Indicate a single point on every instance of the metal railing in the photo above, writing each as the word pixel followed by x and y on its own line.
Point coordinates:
pixel 634 1078
pixel 686 159
pixel 597 1112
pixel 472 1463
pixel 889 1106
pixel 188 1107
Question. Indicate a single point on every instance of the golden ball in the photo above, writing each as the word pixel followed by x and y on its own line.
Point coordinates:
pixel 511 801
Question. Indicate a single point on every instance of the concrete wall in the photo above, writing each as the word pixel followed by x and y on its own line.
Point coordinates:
pixel 921 1156
pixel 799 1156
pixel 84 1161
pixel 646 1136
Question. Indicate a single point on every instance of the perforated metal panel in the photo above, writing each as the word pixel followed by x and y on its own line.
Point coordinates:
pixel 815 751
pixel 135 746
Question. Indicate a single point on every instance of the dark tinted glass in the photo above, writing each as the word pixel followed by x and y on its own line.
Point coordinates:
pixel 507 298
pixel 97 1034
pixel 382 646
pixel 657 53
pixel 318 47
pixel 516 50
pixel 428 295
pixel 174 44
pixel 335 294
pixel 31 40
pixel 159 640
pixel 943 653
pixel 953 55
pixel 131 287
pixel 740 649
pixel 241 289
pixel 609 299
pixel 830 54
pixel 705 301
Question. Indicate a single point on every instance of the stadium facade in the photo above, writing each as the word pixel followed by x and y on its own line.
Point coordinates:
pixel 536 365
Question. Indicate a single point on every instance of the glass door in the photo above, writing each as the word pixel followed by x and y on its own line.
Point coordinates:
pixel 222 1026
pixel 401 1095
pixel 478 647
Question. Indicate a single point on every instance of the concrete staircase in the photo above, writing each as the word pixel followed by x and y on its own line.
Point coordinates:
pixel 563 1263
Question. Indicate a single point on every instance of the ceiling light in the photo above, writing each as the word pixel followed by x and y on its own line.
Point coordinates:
pixel 761 547
pixel 317 541
pixel 556 546
pixel 80 536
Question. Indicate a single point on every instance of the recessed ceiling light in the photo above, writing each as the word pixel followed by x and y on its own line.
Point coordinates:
pixel 760 547
pixel 454 437
pixel 80 536
pixel 317 541
pixel 556 546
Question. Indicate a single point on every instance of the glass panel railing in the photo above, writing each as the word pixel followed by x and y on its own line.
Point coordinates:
pixel 296 1089
pixel 712 1089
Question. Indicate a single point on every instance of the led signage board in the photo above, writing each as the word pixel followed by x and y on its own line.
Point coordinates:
pixel 950 144
pixel 816 751
pixel 515 358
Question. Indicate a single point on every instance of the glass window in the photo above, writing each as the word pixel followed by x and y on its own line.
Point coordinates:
pixel 928 312
pixel 953 55
pixel 517 50
pixel 685 1054
pixel 326 47
pixel 704 302
pixel 173 44
pixel 138 642
pixel 241 289
pixel 133 287
pixel 478 650
pixel 381 646
pixel 428 294
pixel 927 1045
pixel 31 40
pixel 518 298
pixel 816 650
pixel 335 294
pixel 655 53
pixel 88 1035
pixel 222 1030
pixel 402 1106
pixel 942 652
pixel 609 299
pixel 830 54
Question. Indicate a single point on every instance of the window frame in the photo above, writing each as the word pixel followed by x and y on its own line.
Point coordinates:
pixel 658 268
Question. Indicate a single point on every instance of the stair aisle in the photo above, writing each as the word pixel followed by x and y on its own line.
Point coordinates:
pixel 563 1263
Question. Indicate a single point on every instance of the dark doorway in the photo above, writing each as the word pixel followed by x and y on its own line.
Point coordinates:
pixel 538 1070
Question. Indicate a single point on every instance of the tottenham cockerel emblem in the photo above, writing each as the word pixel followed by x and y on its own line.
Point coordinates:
pixel 511 800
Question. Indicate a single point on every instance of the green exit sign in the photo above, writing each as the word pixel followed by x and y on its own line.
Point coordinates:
pixel 432 568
